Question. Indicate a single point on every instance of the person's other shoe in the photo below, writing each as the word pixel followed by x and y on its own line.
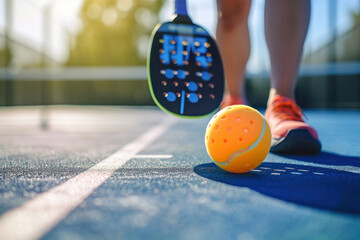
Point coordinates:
pixel 290 133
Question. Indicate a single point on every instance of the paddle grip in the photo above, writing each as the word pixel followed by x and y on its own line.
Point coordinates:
pixel 180 7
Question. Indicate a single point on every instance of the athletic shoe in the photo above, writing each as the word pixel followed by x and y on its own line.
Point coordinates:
pixel 290 134
pixel 229 100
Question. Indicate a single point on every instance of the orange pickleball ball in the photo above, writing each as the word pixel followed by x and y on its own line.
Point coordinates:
pixel 238 138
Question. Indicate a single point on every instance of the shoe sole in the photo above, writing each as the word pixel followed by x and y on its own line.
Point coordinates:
pixel 297 141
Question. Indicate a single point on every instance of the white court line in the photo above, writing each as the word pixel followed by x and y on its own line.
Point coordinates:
pixel 38 216
pixel 154 156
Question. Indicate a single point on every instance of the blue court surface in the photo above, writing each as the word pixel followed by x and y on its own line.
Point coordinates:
pixel 99 172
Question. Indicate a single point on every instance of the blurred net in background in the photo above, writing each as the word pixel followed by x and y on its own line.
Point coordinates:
pixel 94 52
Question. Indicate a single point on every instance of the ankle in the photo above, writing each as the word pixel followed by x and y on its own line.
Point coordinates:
pixel 274 92
pixel 234 95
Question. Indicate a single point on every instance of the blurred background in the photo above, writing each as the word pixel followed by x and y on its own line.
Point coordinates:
pixel 94 51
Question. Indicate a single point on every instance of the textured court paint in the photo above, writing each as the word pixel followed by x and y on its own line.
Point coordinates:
pixel 183 191
pixel 39 215
pixel 154 156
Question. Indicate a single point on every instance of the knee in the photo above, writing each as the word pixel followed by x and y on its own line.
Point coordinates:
pixel 233 12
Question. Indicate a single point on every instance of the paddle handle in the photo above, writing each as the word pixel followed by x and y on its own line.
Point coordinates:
pixel 180 7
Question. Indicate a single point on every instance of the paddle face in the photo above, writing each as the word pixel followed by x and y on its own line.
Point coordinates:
pixel 185 71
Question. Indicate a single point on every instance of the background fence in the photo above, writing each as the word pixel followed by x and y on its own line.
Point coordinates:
pixel 94 52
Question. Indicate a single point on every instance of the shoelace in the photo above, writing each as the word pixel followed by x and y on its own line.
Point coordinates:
pixel 287 110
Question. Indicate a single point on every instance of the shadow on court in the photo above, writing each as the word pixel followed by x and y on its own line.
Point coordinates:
pixel 328 159
pixel 316 187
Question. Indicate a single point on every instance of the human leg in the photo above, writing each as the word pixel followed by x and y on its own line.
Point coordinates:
pixel 234 43
pixel 286 25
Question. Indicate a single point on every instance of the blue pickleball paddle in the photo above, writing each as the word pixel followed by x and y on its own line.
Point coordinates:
pixel 185 72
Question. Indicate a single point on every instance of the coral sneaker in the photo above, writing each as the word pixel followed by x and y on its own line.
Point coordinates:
pixel 290 134
pixel 229 100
